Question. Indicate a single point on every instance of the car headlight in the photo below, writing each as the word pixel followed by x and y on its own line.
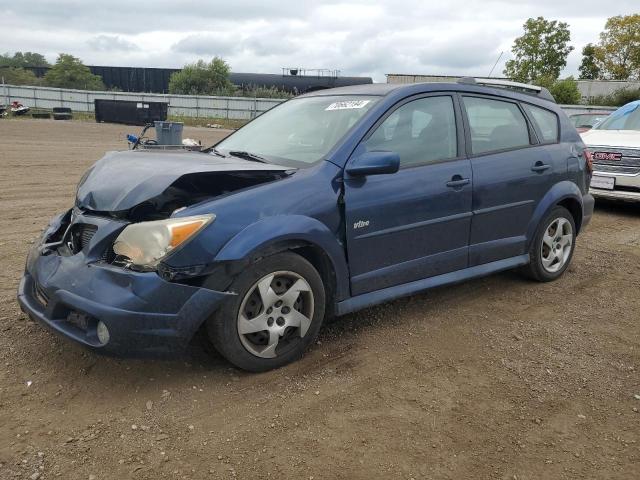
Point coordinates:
pixel 146 243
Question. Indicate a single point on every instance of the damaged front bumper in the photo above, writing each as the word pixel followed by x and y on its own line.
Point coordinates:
pixel 142 312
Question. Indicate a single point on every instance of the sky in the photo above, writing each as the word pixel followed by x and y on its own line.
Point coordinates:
pixel 455 37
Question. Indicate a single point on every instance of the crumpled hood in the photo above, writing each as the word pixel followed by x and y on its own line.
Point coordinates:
pixel 612 138
pixel 122 180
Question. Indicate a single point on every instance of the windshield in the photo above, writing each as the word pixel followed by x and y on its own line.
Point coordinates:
pixel 625 118
pixel 301 131
pixel 583 120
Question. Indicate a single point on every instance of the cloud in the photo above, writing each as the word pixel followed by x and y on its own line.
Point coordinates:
pixel 471 49
pixel 110 43
pixel 357 37
pixel 207 44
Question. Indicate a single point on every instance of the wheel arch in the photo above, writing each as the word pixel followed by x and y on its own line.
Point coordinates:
pixel 566 194
pixel 575 208
pixel 306 236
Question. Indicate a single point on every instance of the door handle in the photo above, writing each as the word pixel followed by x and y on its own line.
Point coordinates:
pixel 540 167
pixel 457 181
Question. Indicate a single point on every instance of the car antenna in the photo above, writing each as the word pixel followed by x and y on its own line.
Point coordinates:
pixel 495 64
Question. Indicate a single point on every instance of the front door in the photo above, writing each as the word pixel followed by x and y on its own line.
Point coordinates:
pixel 414 223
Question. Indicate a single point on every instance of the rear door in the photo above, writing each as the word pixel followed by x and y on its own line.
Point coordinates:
pixel 414 223
pixel 514 164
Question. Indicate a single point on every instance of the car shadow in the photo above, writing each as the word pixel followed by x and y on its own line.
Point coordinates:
pixel 618 207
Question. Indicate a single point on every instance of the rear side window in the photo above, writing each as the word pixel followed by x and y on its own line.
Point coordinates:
pixel 421 131
pixel 495 125
pixel 546 121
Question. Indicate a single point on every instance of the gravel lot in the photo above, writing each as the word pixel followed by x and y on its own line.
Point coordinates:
pixel 497 378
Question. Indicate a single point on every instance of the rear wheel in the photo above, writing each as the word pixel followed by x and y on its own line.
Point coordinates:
pixel 276 314
pixel 552 248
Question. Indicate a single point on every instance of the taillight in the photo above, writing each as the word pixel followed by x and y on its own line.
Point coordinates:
pixel 588 158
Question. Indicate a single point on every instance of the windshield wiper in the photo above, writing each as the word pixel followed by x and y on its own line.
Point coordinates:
pixel 248 156
pixel 216 152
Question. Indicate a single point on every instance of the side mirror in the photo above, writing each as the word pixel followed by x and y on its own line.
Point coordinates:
pixel 374 163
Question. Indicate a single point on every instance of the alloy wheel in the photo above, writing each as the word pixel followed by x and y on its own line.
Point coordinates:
pixel 557 243
pixel 275 314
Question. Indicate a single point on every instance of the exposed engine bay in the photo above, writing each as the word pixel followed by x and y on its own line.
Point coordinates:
pixel 141 186
pixel 151 185
pixel 189 190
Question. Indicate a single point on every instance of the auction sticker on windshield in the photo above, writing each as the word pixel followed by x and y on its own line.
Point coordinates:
pixel 347 105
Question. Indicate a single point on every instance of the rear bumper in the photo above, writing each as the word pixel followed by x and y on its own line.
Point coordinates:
pixel 588 203
pixel 143 312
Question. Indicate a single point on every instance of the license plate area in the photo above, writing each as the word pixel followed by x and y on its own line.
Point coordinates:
pixel 605 183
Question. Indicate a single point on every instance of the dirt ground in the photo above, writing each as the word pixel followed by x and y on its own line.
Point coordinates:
pixel 498 378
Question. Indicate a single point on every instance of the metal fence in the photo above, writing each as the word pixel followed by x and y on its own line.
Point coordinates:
pixel 240 108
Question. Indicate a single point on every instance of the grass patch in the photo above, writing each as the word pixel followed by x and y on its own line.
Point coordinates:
pixel 229 123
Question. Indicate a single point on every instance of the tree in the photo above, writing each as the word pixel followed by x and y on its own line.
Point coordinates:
pixel 18 76
pixel 69 72
pixel 589 69
pixel 23 59
pixel 541 51
pixel 618 52
pixel 202 78
pixel 566 91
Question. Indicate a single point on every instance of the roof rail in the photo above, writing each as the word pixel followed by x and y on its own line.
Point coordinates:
pixel 524 87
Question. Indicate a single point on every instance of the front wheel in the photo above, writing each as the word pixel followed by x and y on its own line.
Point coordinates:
pixel 552 247
pixel 276 314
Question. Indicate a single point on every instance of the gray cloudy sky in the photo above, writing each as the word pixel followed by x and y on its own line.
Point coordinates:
pixel 356 37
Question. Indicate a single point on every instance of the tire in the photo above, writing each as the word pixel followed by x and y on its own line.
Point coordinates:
pixel 282 293
pixel 552 247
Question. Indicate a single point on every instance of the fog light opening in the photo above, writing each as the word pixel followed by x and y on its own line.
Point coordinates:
pixel 103 333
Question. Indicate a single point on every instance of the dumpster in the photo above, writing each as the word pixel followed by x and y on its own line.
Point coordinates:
pixel 130 112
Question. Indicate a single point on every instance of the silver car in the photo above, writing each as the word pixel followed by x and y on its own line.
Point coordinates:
pixel 615 149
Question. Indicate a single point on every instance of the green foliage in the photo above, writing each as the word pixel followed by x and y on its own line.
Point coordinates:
pixel 202 78
pixel 566 91
pixel 618 53
pixel 23 59
pixel 589 69
pixel 264 92
pixel 617 98
pixel 69 72
pixel 229 123
pixel 541 51
pixel 18 76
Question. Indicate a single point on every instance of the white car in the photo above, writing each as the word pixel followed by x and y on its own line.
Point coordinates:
pixel 615 148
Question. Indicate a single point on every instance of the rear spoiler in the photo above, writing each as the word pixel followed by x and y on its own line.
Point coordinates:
pixel 508 84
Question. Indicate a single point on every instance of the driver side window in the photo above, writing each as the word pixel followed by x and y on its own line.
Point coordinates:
pixel 421 131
